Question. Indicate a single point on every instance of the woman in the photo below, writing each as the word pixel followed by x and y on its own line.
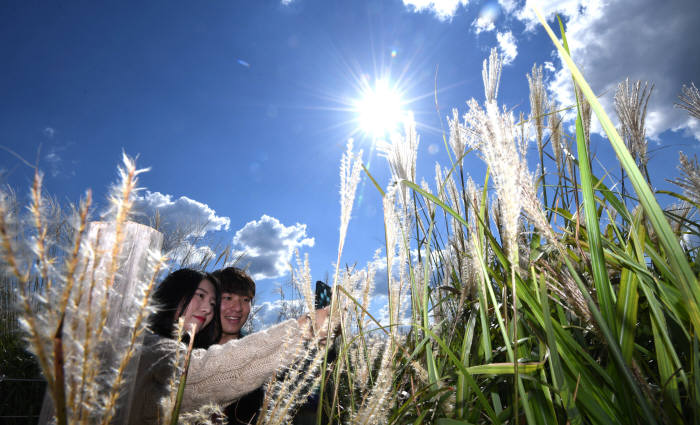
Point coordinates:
pixel 219 374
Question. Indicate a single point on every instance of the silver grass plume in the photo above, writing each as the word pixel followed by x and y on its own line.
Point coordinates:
pixel 363 358
pixel 429 205
pixel 491 74
pixel 284 396
pixel 554 123
pixel 474 196
pixel 690 100
pixel 538 103
pixel 350 169
pixel 631 107
pixel 450 196
pixel 440 184
pixel 679 215
pixel 401 154
pixel 376 407
pixel 368 286
pixel 209 414
pixel 302 280
pixel 690 180
pixel 394 240
pixel 586 114
pixel 493 134
pixel 560 281
pixel 457 136
pixel 533 208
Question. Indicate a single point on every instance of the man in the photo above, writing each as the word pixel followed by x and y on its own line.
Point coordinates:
pixel 237 292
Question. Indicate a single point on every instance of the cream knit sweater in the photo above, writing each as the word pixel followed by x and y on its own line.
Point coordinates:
pixel 219 374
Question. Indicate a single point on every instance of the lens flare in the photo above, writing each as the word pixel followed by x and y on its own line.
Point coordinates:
pixel 489 13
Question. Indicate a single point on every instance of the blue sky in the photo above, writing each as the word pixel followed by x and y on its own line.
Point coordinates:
pixel 243 108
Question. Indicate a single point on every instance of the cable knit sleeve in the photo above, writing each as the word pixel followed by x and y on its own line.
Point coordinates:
pixel 224 373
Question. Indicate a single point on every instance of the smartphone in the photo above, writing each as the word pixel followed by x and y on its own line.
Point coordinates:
pixel 323 295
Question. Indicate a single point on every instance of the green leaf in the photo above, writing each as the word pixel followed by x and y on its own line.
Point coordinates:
pixel 505 368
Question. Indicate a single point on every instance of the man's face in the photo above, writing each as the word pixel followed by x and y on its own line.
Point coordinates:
pixel 235 309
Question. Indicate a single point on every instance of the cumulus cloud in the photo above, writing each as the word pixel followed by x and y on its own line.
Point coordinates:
pixel 49 132
pixel 181 215
pixel 508 46
pixel 268 245
pixel 443 9
pixel 611 41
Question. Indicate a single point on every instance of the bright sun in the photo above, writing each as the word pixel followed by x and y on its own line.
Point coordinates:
pixel 379 109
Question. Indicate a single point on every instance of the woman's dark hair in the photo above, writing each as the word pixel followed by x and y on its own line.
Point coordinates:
pixel 177 289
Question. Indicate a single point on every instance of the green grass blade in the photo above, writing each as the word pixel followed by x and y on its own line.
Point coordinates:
pixel 600 273
pixel 560 383
pixel 628 299
pixel 504 368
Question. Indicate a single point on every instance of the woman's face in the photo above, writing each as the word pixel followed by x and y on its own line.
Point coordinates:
pixel 200 310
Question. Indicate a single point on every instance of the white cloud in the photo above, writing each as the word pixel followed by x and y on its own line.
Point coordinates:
pixel 508 46
pixel 508 5
pixel 640 39
pixel 269 245
pixel 53 158
pixel 49 132
pixel 179 215
pixel 54 161
pixel 487 18
pixel 443 9
pixel 483 24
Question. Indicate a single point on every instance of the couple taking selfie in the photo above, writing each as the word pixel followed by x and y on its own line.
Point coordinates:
pixel 226 368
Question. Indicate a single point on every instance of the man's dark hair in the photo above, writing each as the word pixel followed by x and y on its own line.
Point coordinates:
pixel 176 290
pixel 235 281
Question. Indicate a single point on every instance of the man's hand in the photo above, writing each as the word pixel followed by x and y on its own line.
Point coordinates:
pixel 321 332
